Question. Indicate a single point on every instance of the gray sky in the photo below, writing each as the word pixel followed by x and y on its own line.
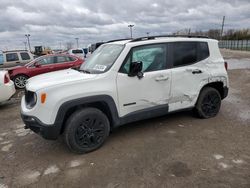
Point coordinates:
pixel 55 22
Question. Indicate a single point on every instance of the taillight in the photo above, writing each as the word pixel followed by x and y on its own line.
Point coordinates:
pixel 225 64
pixel 6 78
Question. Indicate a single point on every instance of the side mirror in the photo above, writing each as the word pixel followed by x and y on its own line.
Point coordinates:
pixel 135 69
pixel 36 64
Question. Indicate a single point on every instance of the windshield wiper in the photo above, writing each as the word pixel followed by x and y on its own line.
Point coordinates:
pixel 85 71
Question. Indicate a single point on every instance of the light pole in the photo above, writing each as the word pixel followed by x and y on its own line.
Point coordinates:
pixel 131 34
pixel 148 34
pixel 77 42
pixel 25 45
pixel 28 39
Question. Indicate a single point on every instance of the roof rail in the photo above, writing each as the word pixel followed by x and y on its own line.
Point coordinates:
pixel 115 40
pixel 159 36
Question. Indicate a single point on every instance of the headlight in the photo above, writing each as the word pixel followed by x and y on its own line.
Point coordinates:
pixel 30 99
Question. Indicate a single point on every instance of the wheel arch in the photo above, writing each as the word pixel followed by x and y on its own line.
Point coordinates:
pixel 104 103
pixel 219 86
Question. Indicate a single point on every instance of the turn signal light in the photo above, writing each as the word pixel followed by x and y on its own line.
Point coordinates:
pixel 43 98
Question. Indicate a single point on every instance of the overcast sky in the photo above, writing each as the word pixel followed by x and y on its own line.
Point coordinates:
pixel 56 22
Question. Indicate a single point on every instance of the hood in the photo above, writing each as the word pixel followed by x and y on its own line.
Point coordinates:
pixel 56 78
pixel 13 68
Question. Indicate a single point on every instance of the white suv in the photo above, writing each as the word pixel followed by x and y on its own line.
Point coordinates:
pixel 126 81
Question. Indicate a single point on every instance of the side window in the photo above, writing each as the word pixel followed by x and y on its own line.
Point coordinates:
pixel 184 53
pixel 71 58
pixel 46 61
pixel 12 57
pixel 203 51
pixel 153 58
pixel 25 56
pixel 61 59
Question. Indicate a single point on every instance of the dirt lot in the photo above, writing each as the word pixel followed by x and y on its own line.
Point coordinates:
pixel 177 150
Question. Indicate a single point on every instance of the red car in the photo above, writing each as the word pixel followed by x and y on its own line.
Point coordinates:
pixel 43 64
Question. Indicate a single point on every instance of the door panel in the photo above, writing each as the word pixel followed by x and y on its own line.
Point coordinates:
pixel 136 94
pixel 190 75
pixel 153 88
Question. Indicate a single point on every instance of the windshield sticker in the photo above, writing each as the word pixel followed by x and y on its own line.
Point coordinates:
pixel 100 67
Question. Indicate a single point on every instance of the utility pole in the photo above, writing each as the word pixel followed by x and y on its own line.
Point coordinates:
pixel 131 33
pixel 77 42
pixel 148 34
pixel 25 45
pixel 189 31
pixel 222 27
pixel 28 39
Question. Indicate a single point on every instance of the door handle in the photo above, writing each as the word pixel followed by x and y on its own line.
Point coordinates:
pixel 17 62
pixel 197 71
pixel 161 78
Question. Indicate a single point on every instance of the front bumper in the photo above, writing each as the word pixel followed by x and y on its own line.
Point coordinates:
pixel 50 132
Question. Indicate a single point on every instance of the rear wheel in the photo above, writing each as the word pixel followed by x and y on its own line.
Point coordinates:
pixel 86 130
pixel 208 104
pixel 20 81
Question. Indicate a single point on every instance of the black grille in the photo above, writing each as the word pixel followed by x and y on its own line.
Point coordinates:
pixel 30 98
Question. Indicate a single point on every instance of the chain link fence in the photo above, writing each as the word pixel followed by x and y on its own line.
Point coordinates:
pixel 235 44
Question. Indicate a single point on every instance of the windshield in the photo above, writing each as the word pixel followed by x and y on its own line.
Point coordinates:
pixel 102 58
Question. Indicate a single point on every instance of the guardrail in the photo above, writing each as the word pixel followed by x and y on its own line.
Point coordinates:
pixel 235 44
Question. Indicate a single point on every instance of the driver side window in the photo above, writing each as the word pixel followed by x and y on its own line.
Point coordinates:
pixel 153 58
pixel 46 61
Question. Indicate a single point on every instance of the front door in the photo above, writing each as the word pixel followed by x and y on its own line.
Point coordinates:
pixel 153 89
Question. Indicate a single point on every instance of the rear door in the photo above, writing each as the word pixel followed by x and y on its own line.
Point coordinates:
pixel 189 72
pixel 25 57
pixel 63 62
pixel 153 89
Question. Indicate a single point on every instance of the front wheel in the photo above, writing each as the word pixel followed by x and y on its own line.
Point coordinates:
pixel 208 103
pixel 86 130
pixel 20 81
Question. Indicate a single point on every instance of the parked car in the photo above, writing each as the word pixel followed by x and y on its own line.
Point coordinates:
pixel 14 58
pixel 126 81
pixel 43 64
pixel 7 88
pixel 77 52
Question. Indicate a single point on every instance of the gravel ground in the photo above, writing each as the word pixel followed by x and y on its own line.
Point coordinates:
pixel 177 150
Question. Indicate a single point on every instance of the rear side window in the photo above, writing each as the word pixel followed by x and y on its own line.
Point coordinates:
pixel 184 53
pixel 12 57
pixel 61 59
pixel 77 51
pixel 25 56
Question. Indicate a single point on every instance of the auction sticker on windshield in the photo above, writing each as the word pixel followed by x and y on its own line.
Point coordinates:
pixel 100 67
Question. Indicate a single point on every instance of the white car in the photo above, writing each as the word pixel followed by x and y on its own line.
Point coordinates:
pixel 7 87
pixel 126 81
pixel 77 52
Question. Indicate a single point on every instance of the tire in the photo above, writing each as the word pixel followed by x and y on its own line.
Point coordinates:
pixel 208 103
pixel 20 81
pixel 86 130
